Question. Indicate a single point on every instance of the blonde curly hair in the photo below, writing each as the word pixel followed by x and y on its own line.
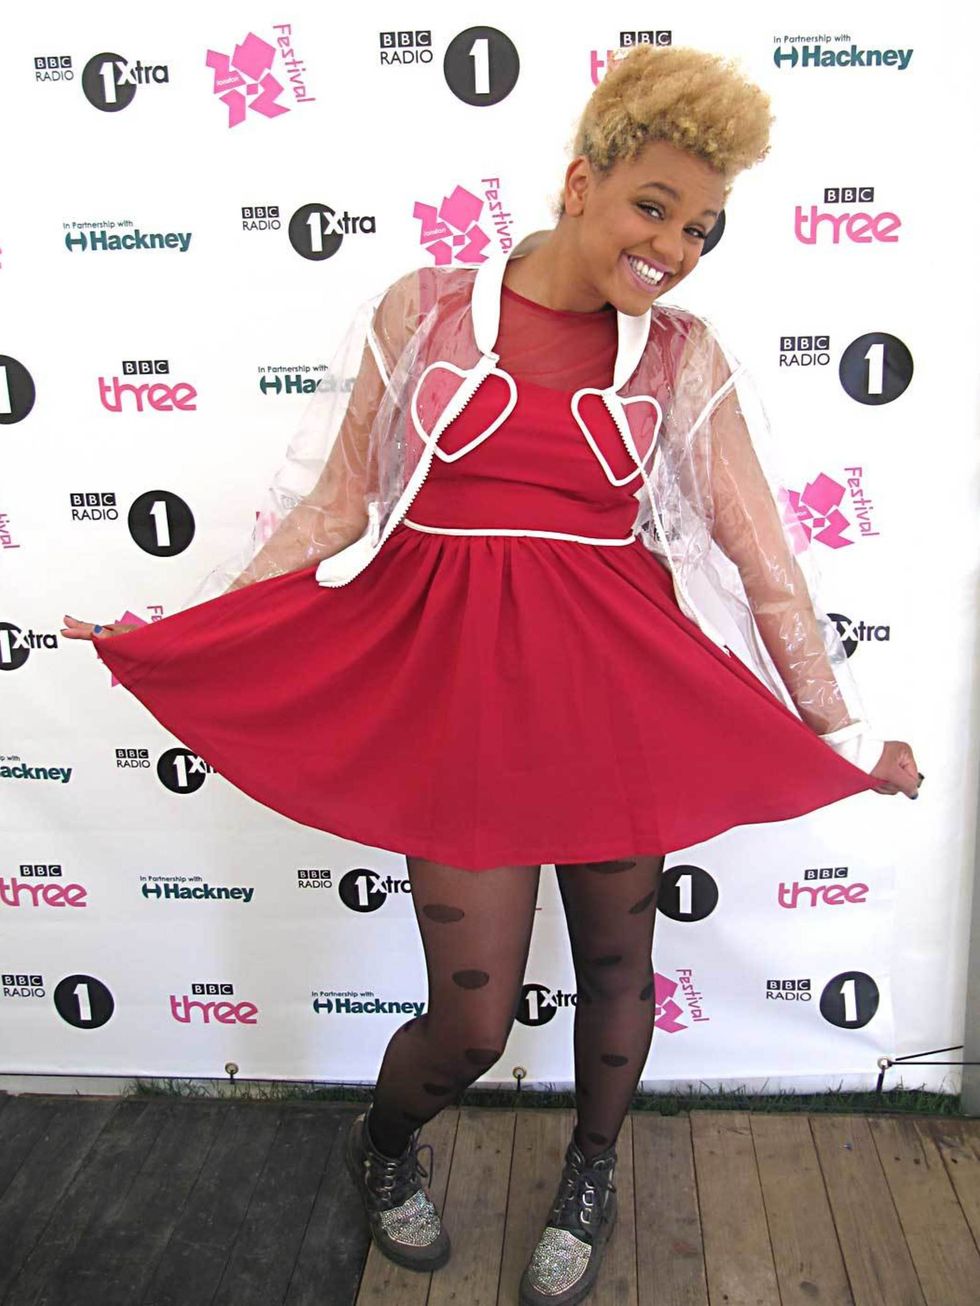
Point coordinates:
pixel 694 100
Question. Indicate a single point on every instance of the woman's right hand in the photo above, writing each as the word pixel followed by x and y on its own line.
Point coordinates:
pixel 74 629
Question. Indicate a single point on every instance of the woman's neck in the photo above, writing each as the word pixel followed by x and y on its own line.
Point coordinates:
pixel 550 273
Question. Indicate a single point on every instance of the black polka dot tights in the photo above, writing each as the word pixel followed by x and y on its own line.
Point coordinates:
pixel 476 929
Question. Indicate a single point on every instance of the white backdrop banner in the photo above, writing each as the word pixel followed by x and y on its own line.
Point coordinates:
pixel 194 203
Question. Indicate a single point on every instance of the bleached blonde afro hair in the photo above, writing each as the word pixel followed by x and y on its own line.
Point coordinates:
pixel 697 101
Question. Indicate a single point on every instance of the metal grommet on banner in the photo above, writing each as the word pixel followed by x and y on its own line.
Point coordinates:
pixel 519 1074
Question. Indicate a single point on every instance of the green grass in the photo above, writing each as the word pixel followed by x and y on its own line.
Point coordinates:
pixel 891 1101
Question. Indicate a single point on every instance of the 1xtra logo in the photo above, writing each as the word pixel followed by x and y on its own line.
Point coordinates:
pixel 17 644
pixel 109 81
pixel 853 633
pixel 316 231
pixel 362 890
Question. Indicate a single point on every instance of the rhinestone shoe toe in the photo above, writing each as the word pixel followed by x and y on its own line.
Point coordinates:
pixel 565 1264
pixel 403 1221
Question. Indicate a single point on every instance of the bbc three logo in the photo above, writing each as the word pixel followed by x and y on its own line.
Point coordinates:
pixel 212 990
pixel 40 870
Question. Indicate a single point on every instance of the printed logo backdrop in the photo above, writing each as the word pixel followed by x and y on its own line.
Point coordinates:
pixel 193 207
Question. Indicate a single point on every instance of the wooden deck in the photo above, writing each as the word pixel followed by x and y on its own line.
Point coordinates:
pixel 113 1202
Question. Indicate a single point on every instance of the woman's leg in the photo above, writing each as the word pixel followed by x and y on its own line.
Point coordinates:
pixel 476 930
pixel 610 908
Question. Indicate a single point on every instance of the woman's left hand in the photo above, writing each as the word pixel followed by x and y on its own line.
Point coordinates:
pixel 897 771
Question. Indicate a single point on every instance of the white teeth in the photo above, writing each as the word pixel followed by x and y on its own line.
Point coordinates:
pixel 645 271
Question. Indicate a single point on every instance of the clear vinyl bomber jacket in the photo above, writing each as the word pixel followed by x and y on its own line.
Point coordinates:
pixel 708 507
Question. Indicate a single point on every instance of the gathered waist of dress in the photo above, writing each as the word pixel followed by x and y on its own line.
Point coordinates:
pixel 517 532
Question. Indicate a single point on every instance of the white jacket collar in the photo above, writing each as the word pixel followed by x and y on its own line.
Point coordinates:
pixel 485 306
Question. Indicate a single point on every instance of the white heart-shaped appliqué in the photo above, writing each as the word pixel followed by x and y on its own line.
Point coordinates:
pixel 616 399
pixel 432 437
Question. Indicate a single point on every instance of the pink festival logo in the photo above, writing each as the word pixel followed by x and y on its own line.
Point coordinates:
pixel 451 231
pixel 667 1010
pixel 814 514
pixel 244 80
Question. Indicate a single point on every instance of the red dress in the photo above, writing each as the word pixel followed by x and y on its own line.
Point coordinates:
pixel 488 699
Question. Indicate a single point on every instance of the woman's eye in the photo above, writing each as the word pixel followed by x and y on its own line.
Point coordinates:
pixel 652 208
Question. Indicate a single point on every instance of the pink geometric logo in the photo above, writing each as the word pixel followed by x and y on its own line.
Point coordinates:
pixel 450 231
pixel 667 1010
pixel 814 514
pixel 244 82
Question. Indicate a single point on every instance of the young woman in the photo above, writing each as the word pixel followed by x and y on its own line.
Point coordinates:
pixel 471 636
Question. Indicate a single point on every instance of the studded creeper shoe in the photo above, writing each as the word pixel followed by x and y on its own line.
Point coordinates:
pixel 403 1221
pixel 565 1264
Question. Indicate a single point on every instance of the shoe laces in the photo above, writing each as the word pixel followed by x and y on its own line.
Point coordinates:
pixel 582 1195
pixel 395 1179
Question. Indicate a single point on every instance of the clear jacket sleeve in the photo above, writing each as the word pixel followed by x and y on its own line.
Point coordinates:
pixel 742 499
pixel 319 499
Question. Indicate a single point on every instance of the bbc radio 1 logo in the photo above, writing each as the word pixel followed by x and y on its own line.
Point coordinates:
pixel 407 47
pixel 365 891
pixel 481 66
pixel 159 521
pixel 849 1000
pixel 314 877
pixel 17 390
pixel 830 51
pixel 22 985
pixel 261 217
pixel 846 218
pixel 53 68
pixel 110 81
pixel 132 759
pixel 212 1004
pixel 804 351
pixel 317 231
pixel 93 505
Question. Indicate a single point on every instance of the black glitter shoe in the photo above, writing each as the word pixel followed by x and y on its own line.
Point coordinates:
pixel 565 1264
pixel 404 1223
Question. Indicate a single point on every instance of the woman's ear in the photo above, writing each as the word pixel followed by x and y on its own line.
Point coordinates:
pixel 578 179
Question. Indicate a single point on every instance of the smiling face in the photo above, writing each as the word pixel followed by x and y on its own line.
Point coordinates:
pixel 647 217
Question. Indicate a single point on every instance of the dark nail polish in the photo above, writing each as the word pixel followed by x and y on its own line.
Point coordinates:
pixel 921 777
pixel 913 797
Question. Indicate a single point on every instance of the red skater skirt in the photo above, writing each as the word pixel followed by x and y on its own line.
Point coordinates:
pixel 487 699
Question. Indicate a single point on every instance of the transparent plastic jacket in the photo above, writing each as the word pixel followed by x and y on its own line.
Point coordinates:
pixel 707 505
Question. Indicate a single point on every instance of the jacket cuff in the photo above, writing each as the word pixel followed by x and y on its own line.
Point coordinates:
pixel 857 745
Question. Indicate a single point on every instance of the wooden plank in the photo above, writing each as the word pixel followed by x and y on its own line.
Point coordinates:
pixel 331 1256
pixel 261 1261
pixel 807 1256
pixel 737 1256
pixel 98 1187
pixel 938 1236
pixel 115 1258
pixel 958 1142
pixel 70 1126
pixel 669 1247
pixel 879 1267
pixel 191 1265
pixel 21 1125
pixel 616 1284
pixel 383 1280
pixel 476 1208
pixel 540 1140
